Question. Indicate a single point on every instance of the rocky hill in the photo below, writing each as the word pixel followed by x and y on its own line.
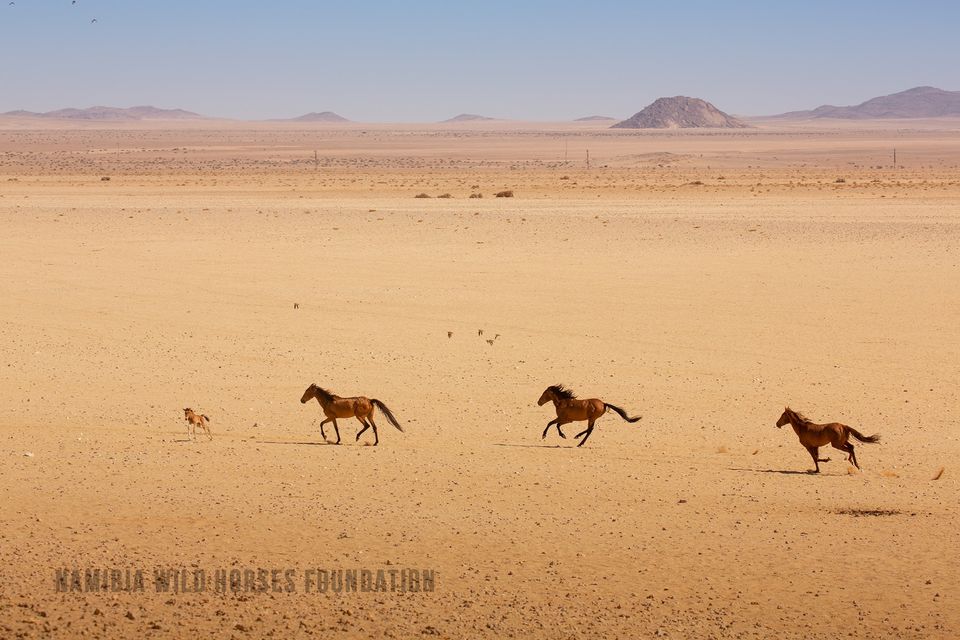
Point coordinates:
pixel 680 112
pixel 594 119
pixel 323 116
pixel 469 117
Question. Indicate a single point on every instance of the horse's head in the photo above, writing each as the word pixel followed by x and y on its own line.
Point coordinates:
pixel 546 396
pixel 308 394
pixel 784 417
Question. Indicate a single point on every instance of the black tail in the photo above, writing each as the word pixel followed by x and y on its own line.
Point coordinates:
pixel 623 414
pixel 205 417
pixel 385 411
pixel 862 438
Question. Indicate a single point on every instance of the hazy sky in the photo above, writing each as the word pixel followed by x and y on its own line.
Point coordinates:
pixel 430 60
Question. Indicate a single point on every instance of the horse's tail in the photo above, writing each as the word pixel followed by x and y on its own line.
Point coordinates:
pixel 623 414
pixel 385 411
pixel 205 417
pixel 862 438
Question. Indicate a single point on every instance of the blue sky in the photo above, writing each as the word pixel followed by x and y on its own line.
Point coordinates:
pixel 429 60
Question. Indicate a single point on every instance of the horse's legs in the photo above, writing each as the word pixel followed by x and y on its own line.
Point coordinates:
pixel 589 427
pixel 376 438
pixel 816 460
pixel 848 449
pixel 549 424
pixel 365 427
pixel 322 432
pixel 587 432
pixel 853 456
pixel 336 428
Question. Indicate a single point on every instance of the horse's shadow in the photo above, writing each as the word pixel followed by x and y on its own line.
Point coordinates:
pixel 529 446
pixel 310 444
pixel 785 472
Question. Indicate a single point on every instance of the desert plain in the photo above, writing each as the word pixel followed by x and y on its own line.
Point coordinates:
pixel 701 279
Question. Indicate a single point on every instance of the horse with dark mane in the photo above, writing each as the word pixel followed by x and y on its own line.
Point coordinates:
pixel 813 436
pixel 570 408
pixel 358 407
pixel 195 420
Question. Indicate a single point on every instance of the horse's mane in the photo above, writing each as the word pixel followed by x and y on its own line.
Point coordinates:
pixel 562 392
pixel 322 393
pixel 800 417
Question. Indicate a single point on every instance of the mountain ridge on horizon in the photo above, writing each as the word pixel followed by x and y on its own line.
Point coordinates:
pixel 104 113
pixel 917 102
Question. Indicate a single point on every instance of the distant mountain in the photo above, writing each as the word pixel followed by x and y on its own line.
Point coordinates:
pixel 680 112
pixel 594 119
pixel 111 114
pixel 469 117
pixel 324 116
pixel 919 102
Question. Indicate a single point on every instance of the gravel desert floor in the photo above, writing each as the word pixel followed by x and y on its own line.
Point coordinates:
pixel 701 280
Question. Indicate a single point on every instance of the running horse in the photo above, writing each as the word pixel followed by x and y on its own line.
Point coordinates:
pixel 195 420
pixel 359 407
pixel 813 436
pixel 570 408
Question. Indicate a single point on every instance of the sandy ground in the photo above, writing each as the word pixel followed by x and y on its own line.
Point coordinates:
pixel 701 280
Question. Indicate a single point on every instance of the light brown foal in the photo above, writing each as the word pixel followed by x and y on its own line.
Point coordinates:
pixel 572 409
pixel 194 420
pixel 358 407
pixel 813 436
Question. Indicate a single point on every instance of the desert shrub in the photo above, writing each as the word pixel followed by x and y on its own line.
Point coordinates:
pixel 422 195
pixel 105 179
pixel 444 195
pixel 840 180
pixel 476 195
pixel 504 194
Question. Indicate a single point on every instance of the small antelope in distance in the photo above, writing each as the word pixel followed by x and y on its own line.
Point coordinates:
pixel 813 436
pixel 358 407
pixel 194 420
pixel 572 409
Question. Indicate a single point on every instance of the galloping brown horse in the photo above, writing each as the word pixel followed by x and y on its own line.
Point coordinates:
pixel 359 407
pixel 813 436
pixel 572 409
